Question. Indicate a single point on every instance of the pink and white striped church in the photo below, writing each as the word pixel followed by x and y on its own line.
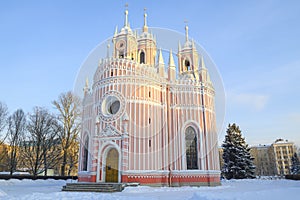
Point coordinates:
pixel 148 122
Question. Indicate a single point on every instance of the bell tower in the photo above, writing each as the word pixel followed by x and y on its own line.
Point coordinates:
pixel 125 41
pixel 188 58
pixel 146 45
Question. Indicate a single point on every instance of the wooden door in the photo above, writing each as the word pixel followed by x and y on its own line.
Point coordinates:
pixel 112 165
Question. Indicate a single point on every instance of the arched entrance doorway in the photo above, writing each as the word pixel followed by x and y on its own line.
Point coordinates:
pixel 112 166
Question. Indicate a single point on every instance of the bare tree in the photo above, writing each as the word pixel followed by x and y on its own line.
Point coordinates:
pixel 40 150
pixel 69 117
pixel 3 122
pixel 53 156
pixel 73 156
pixel 15 135
pixel 3 117
pixel 4 157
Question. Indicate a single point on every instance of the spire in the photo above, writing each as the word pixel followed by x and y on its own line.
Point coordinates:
pixel 186 33
pixel 145 17
pixel 107 53
pixel 204 72
pixel 160 58
pixel 87 82
pixel 171 60
pixel 193 44
pixel 145 28
pixel 179 46
pixel 202 64
pixel 161 65
pixel 86 88
pixel 126 15
pixel 172 68
pixel 116 31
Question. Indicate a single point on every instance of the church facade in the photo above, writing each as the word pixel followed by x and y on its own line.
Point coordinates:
pixel 148 122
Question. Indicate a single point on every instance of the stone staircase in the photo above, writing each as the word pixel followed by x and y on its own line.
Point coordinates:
pixel 93 187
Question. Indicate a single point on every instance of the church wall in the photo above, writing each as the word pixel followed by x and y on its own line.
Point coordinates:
pixel 142 149
pixel 189 107
pixel 140 107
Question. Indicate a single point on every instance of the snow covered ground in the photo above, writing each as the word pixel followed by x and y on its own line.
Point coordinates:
pixel 234 189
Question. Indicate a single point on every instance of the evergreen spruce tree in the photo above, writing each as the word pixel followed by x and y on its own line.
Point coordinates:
pixel 238 163
pixel 295 169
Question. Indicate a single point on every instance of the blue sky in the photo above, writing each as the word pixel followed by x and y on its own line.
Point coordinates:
pixel 255 44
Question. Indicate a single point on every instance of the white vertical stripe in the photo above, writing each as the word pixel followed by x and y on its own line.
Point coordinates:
pixel 134 132
pixel 144 128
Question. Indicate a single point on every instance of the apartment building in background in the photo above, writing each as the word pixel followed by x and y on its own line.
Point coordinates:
pixel 270 160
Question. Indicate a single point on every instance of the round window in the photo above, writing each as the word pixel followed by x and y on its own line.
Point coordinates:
pixel 114 107
pixel 110 105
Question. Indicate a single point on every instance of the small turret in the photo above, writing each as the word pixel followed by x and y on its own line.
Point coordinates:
pixel 203 72
pixel 108 48
pixel 171 60
pixel 86 88
pixel 171 68
pixel 160 59
pixel 161 64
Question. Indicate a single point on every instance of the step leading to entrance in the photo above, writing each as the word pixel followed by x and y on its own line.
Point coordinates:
pixel 93 187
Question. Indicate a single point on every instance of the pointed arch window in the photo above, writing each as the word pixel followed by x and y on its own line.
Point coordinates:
pixel 191 148
pixel 85 154
pixel 142 57
pixel 187 65
pixel 121 54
